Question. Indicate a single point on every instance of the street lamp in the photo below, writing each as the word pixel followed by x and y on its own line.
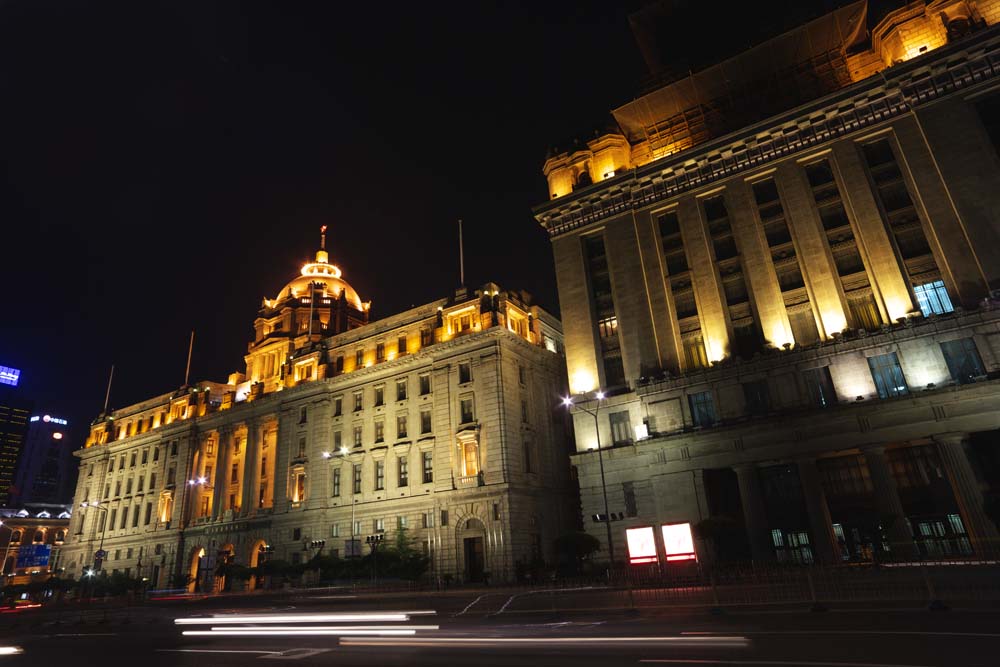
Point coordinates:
pixel 343 451
pixel 99 556
pixel 569 403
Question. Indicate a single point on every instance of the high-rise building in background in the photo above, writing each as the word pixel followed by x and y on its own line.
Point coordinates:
pixel 46 472
pixel 778 268
pixel 438 423
pixel 15 410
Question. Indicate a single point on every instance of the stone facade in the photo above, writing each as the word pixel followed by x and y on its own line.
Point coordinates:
pixel 800 302
pixel 440 421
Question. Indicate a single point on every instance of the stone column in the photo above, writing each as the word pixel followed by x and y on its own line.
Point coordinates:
pixel 982 531
pixel 821 525
pixel 754 513
pixel 251 470
pixel 221 473
pixel 888 503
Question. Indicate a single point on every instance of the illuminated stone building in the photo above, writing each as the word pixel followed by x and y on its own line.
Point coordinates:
pixel 440 420
pixel 30 538
pixel 780 268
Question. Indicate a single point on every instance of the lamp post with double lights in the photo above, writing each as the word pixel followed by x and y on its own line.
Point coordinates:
pixel 343 451
pixel 598 397
pixel 101 554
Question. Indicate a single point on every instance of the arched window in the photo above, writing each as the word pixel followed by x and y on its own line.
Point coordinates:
pixel 15 537
pixel 39 536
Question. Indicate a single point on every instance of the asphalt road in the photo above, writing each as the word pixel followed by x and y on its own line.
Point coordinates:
pixel 837 638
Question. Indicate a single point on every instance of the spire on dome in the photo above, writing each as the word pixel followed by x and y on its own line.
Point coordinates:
pixel 322 256
pixel 322 237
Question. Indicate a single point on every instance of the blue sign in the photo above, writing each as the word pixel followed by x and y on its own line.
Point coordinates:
pixel 34 555
pixel 9 375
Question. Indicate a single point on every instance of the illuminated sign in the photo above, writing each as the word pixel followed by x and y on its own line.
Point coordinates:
pixel 641 545
pixel 49 420
pixel 9 375
pixel 677 542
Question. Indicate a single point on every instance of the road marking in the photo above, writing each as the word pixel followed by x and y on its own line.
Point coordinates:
pixel 681 661
pixel 473 603
pixel 199 650
pixel 295 654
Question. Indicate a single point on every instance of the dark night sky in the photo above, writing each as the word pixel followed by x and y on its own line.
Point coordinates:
pixel 169 163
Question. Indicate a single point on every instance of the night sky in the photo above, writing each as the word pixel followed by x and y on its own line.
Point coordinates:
pixel 168 164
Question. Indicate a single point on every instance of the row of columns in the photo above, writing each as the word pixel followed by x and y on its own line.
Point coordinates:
pixel 982 532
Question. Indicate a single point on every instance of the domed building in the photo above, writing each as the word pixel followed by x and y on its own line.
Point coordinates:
pixel 435 425
pixel 315 304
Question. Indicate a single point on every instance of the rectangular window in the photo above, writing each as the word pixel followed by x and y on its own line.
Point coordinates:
pixel 234 474
pixel 963 360
pixel 299 487
pixel 145 456
pixel 379 396
pixel 401 345
pixel 303 415
pixel 131 462
pixel 148 514
pixel 702 408
pixel 335 530
pixel 263 467
pixel 357 436
pixel 427 520
pixel 401 389
pixel 621 428
pixel 402 522
pixel 888 375
pixel 338 440
pixel 338 406
pixel 379 525
pixel 379 475
pixel 359 358
pixel 520 374
pixel 302 447
pixel 524 411
pixel 628 490
pixel 379 430
pixel 128 486
pixel 425 337
pixel 757 397
pixel 402 467
pixel 357 478
pixel 425 422
pixel 933 298
pixel 425 384
pixel 819 387
pixel 694 353
pixel 465 406
pixel 464 372
pixel 444 517
pixel 380 352
pixel 111 521
pixel 356 529
pixel 107 491
pixel 152 481
pixel 427 463
pixel 336 483
pixel 102 519
pixel 359 398
pixel 400 427
pixel 171 476
pixel 125 515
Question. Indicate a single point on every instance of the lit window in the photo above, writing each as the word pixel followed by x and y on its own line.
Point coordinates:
pixel 933 298
pixel 888 375
pixel 379 475
pixel 621 431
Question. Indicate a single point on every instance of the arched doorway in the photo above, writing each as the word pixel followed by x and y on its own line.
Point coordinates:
pixel 472 542
pixel 194 568
pixel 258 556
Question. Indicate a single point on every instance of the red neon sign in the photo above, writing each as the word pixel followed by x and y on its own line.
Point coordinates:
pixel 678 542
pixel 641 545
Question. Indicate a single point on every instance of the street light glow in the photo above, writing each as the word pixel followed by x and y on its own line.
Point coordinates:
pixel 599 395
pixel 567 401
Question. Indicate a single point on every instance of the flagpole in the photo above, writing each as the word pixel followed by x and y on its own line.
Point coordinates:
pixel 461 255
pixel 107 394
pixel 187 369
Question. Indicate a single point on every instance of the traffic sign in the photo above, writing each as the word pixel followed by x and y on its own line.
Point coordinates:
pixel 101 554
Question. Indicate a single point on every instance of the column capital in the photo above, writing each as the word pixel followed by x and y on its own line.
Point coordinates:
pixel 951 439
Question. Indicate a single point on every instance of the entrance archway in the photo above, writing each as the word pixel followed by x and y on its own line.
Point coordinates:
pixel 472 543
pixel 194 568
pixel 258 556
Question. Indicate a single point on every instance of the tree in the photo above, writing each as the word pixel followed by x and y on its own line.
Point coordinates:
pixel 575 548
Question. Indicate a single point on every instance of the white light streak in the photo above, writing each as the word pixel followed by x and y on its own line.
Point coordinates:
pixel 298 618
pixel 300 632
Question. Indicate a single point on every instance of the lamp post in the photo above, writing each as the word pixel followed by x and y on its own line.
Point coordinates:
pixel 598 396
pixel 343 451
pixel 100 549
